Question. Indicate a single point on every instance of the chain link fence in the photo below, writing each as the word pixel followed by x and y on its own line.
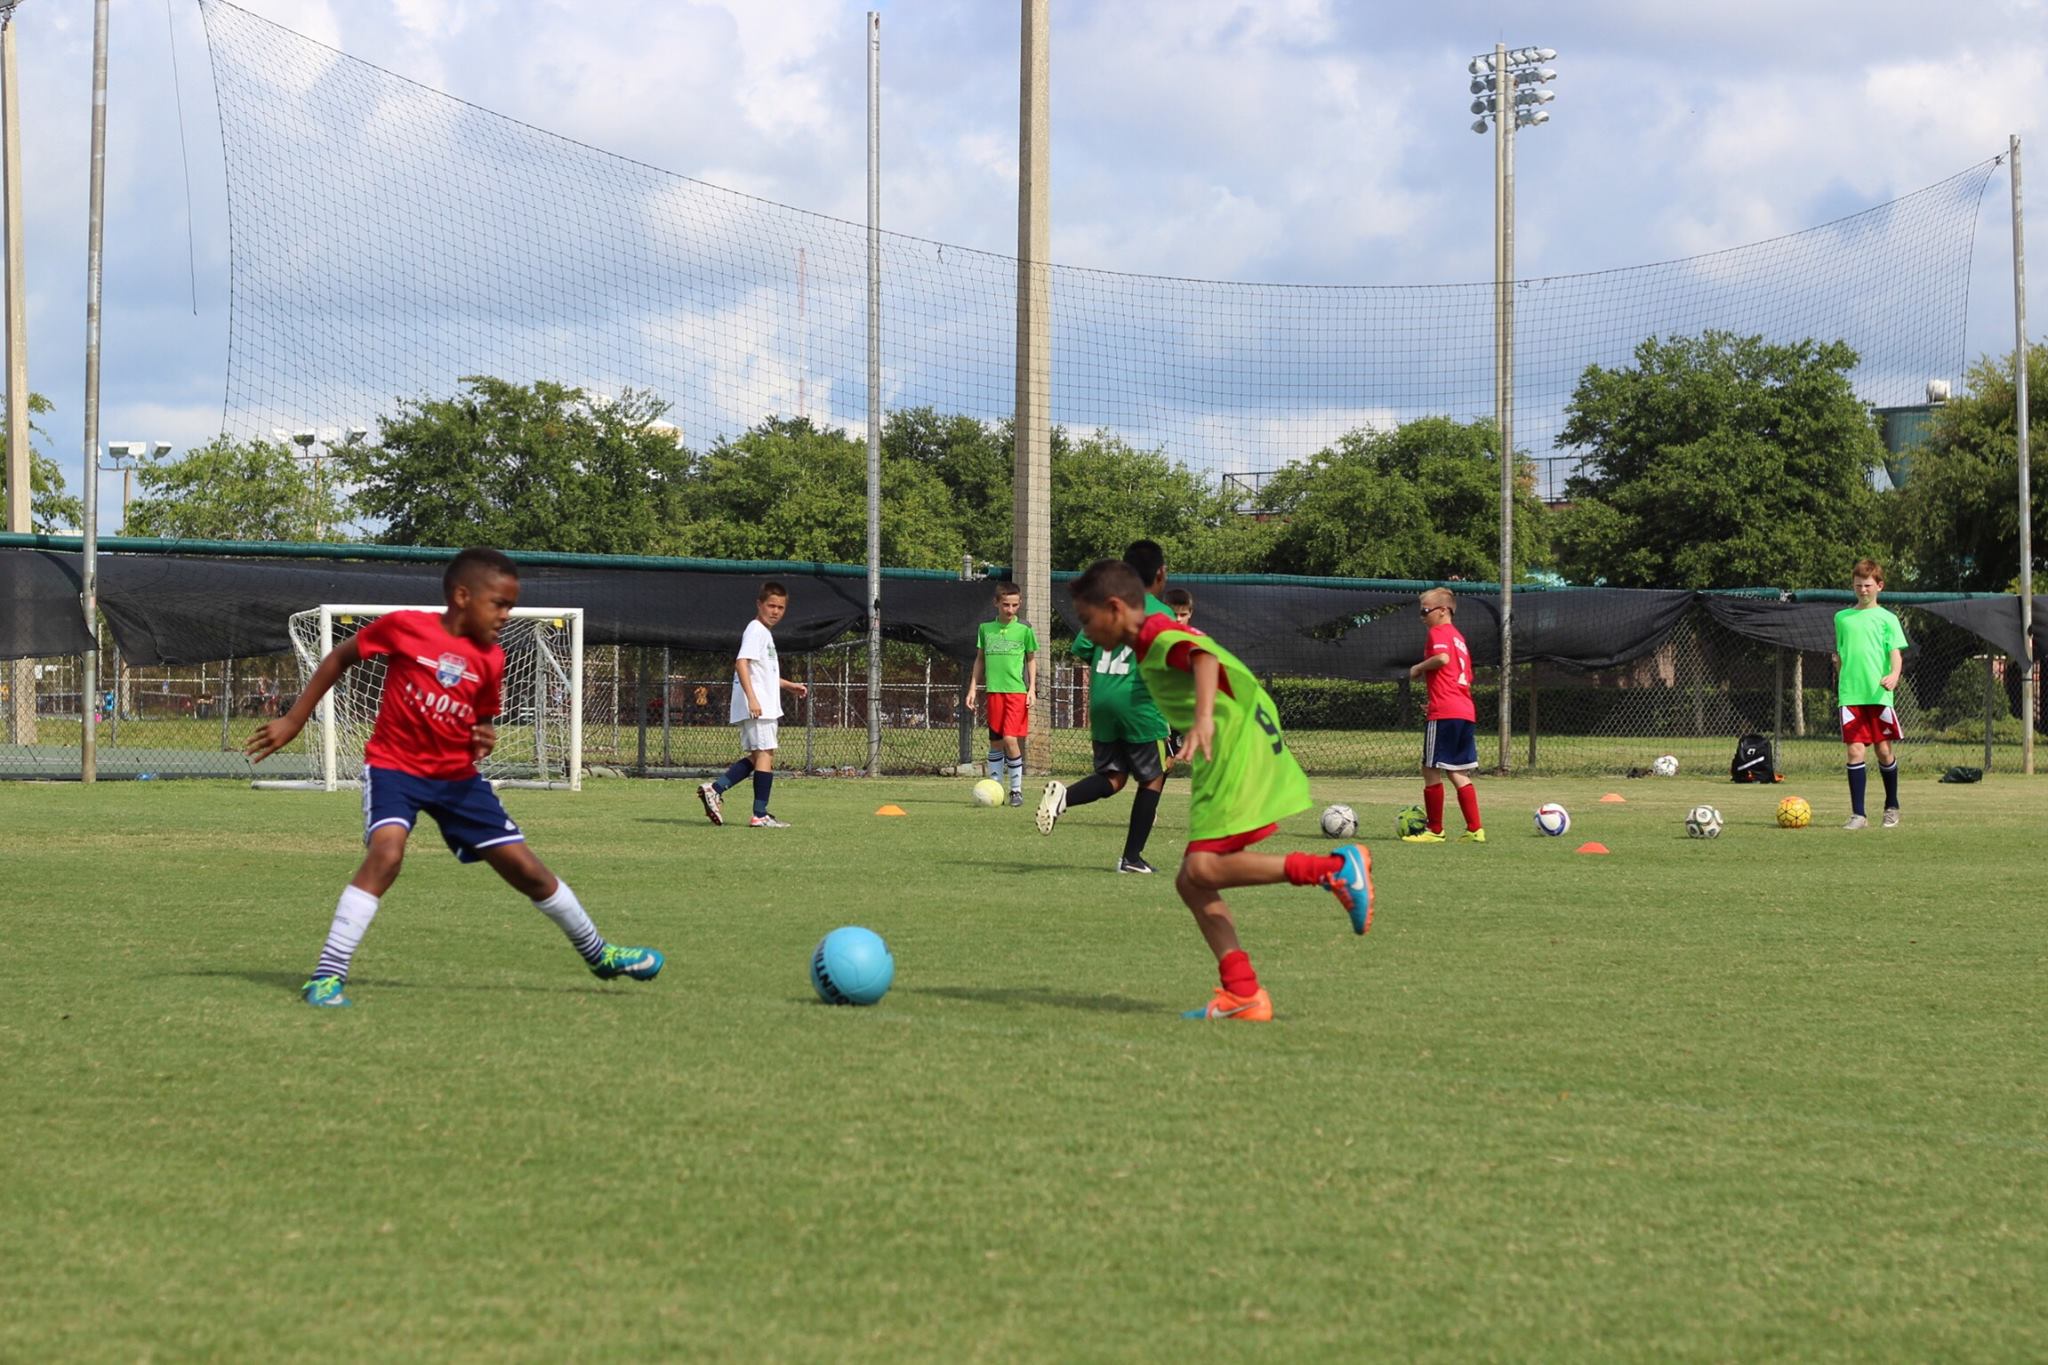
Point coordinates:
pixel 661 713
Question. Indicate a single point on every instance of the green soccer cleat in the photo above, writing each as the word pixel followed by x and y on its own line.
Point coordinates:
pixel 1472 836
pixel 641 964
pixel 324 992
pixel 1427 836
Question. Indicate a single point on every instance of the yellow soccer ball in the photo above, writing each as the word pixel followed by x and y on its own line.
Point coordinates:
pixel 1794 813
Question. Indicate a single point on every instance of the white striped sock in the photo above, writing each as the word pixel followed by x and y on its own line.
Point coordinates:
pixel 352 916
pixel 565 910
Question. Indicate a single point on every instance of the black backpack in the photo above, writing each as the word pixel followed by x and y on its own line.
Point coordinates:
pixel 1752 761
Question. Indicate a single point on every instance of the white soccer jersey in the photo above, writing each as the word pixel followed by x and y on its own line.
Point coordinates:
pixel 757 647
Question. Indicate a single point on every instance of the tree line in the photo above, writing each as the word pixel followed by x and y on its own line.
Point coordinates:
pixel 1710 461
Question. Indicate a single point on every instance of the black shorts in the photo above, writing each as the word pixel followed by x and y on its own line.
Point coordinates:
pixel 1144 759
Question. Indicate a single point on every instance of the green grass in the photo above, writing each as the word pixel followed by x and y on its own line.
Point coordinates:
pixel 1776 1096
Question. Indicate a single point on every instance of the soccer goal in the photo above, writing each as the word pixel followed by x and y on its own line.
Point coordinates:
pixel 540 729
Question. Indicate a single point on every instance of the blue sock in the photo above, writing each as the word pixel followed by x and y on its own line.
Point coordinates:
pixel 1859 776
pixel 1891 785
pixel 731 776
pixel 762 782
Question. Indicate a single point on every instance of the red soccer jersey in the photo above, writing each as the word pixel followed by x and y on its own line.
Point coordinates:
pixel 1450 687
pixel 437 687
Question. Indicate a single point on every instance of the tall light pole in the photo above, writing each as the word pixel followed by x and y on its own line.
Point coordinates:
pixel 89 594
pixel 21 700
pixel 1507 88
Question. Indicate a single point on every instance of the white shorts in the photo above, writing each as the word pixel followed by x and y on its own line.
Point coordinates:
pixel 756 735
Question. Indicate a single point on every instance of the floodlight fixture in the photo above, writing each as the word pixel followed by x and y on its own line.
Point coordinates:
pixel 357 435
pixel 1479 125
pixel 304 438
pixel 159 449
pixel 7 8
pixel 1527 120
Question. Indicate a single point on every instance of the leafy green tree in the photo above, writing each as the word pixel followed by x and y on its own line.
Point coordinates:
pixel 525 467
pixel 1958 513
pixel 1107 493
pixel 49 507
pixel 972 460
pixel 237 490
pixel 1419 501
pixel 1720 461
pixel 787 489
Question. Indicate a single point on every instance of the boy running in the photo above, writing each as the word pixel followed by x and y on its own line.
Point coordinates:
pixel 1130 741
pixel 1006 667
pixel 1243 779
pixel 1869 659
pixel 442 691
pixel 757 689
pixel 1450 740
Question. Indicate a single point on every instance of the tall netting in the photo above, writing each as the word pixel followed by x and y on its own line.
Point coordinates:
pixel 388 239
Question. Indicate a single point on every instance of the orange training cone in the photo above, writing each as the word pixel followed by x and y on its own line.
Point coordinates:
pixel 891 810
pixel 1614 799
pixel 1592 848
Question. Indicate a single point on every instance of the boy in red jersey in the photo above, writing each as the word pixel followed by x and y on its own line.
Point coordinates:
pixel 1450 739
pixel 434 725
pixel 1243 781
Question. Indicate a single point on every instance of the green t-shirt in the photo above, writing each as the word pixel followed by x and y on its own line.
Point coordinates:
pixel 1865 638
pixel 1002 654
pixel 1250 779
pixel 1119 707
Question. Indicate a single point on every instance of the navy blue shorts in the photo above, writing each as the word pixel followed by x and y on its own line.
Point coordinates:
pixel 1452 745
pixel 467 810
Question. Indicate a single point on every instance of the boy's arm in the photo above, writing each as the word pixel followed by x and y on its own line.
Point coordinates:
pixel 745 669
pixel 1890 681
pixel 1201 735
pixel 275 734
pixel 1430 665
pixel 799 689
pixel 974 680
pixel 1030 676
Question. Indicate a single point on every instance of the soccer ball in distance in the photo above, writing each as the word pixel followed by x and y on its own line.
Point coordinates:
pixel 1703 822
pixel 852 966
pixel 1552 819
pixel 1410 820
pixel 1794 813
pixel 1667 766
pixel 1340 822
pixel 987 792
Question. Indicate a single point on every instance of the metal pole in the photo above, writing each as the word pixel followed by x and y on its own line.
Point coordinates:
pixel 1031 553
pixel 1504 113
pixel 89 596
pixel 667 682
pixel 1989 723
pixel 874 762
pixel 811 721
pixel 21 693
pixel 2019 375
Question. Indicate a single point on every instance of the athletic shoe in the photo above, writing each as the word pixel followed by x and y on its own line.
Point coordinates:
pixel 325 992
pixel 714 804
pixel 1133 865
pixel 1016 796
pixel 1256 1008
pixel 1353 885
pixel 1052 806
pixel 1858 822
pixel 1472 836
pixel 1427 836
pixel 642 964
pixel 1891 817
pixel 766 822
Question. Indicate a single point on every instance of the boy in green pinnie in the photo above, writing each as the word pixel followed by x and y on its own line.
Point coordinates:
pixel 1130 741
pixel 1243 780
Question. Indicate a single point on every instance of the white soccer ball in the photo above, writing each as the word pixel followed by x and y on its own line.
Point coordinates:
pixel 1703 822
pixel 1552 819
pixel 1666 766
pixel 987 792
pixel 1340 822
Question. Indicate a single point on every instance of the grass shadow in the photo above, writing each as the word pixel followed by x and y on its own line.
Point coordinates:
pixel 1017 868
pixel 292 981
pixel 1040 995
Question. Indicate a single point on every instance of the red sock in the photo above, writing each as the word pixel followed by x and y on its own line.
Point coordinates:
pixel 1309 869
pixel 1433 806
pixel 1237 975
pixel 1468 802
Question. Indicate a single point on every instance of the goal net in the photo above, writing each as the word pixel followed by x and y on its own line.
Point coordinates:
pixel 540 729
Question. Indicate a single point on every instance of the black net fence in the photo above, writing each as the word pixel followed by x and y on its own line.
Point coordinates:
pixel 195 655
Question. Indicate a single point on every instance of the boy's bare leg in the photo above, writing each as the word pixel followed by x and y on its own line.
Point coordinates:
pixel 525 873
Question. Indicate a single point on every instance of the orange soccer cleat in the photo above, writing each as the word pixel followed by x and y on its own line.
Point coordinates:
pixel 1256 1008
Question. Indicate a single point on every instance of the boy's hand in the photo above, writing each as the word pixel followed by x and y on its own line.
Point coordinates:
pixel 754 708
pixel 970 698
pixel 1889 682
pixel 482 739
pixel 1199 738
pixel 1028 698
pixel 798 690
pixel 270 737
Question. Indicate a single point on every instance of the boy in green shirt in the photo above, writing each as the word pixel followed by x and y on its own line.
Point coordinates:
pixel 1130 741
pixel 1243 779
pixel 1006 667
pixel 1869 658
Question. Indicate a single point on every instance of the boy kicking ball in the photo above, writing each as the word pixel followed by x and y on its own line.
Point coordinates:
pixel 1243 779
pixel 442 680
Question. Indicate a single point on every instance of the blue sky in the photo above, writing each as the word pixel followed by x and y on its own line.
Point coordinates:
pixel 1290 141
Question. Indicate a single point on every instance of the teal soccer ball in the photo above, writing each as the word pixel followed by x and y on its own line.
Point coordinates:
pixel 852 966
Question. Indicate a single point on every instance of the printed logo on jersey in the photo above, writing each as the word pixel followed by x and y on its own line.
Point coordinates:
pixel 449 669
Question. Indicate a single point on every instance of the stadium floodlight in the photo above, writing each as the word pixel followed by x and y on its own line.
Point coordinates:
pixel 303 438
pixel 159 449
pixel 1506 81
pixel 355 436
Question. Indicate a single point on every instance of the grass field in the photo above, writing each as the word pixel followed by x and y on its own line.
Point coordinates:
pixel 1777 1096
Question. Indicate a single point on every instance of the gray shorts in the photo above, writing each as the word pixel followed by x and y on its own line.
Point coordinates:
pixel 1144 759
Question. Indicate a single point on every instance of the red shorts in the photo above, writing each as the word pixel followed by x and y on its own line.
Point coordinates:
pixel 1232 843
pixel 1008 715
pixel 1870 724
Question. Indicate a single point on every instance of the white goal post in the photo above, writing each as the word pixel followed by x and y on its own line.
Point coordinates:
pixel 540 726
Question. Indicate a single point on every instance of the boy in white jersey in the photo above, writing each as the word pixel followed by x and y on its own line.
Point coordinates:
pixel 757 688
